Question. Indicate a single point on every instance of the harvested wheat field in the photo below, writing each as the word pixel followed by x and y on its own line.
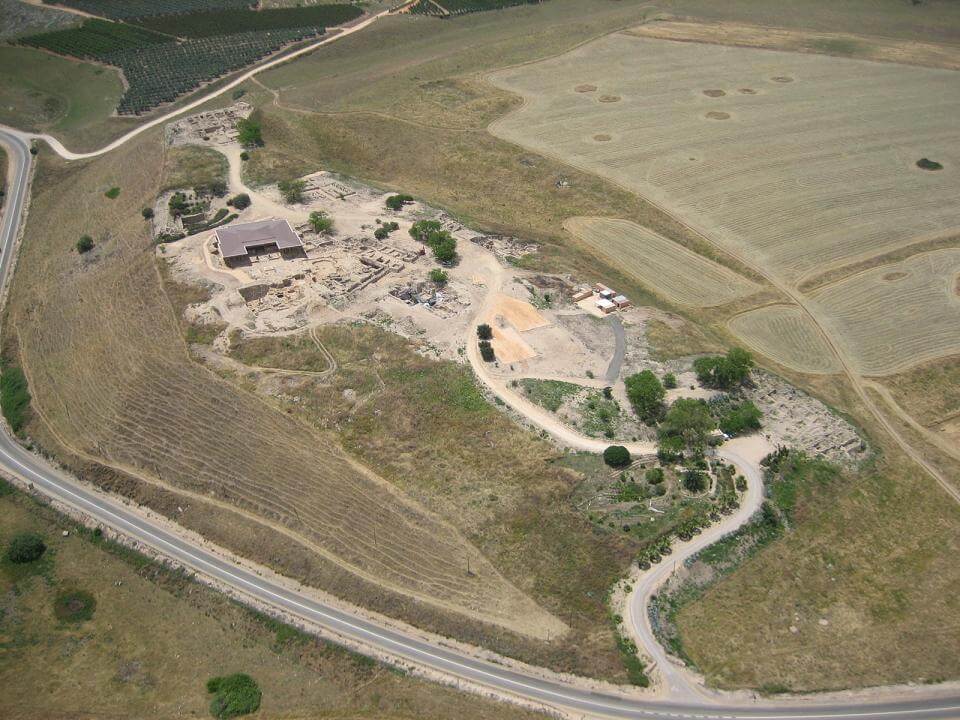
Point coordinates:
pixel 895 316
pixel 815 165
pixel 113 380
pixel 680 275
pixel 784 333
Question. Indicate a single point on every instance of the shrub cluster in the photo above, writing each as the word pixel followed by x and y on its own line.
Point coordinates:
pixel 234 695
pixel 292 190
pixel 25 547
pixel 320 222
pixel 724 372
pixel 396 202
pixel 646 394
pixel 431 233
pixel 14 397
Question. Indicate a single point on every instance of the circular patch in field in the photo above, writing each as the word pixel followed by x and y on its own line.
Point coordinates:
pixel 928 164
pixel 602 137
pixel 74 606
pixel 747 91
pixel 609 98
pixel 714 93
pixel 714 115
pixel 585 88
pixel 894 276
pixel 782 79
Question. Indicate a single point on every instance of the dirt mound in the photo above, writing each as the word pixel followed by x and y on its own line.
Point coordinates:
pixel 891 277
pixel 714 93
pixel 585 88
pixel 782 79
pixel 747 91
pixel 602 138
pixel 610 98
pixel 714 115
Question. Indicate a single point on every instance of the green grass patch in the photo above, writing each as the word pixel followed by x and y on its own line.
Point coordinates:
pixel 234 695
pixel 549 394
pixel 74 606
pixel 113 193
pixel 14 397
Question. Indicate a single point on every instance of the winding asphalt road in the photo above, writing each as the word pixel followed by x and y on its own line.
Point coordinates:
pixel 452 664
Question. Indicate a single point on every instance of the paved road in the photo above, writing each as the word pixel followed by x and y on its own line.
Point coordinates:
pixel 434 656
pixel 619 353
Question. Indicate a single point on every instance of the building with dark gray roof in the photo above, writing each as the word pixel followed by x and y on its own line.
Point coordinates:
pixel 237 243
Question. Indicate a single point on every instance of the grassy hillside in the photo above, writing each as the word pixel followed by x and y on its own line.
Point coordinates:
pixel 45 93
pixel 155 637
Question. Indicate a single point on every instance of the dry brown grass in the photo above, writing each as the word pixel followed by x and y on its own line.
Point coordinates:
pixel 930 392
pixel 670 341
pixel 114 382
pixel 883 49
pixel 427 428
pixel 155 638
pixel 192 165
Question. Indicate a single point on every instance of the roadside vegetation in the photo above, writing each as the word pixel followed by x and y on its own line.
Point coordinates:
pixel 14 397
pixel 115 645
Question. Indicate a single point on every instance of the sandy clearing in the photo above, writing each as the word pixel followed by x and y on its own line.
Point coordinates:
pixel 522 315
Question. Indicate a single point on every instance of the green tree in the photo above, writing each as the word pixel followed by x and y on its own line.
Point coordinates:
pixel 646 394
pixel 84 244
pixel 396 202
pixel 320 222
pixel 147 213
pixel 724 372
pixel 422 230
pixel 25 547
pixel 617 456
pixel 689 419
pixel 741 418
pixel 484 332
pixel 486 351
pixel 694 480
pixel 249 134
pixel 444 247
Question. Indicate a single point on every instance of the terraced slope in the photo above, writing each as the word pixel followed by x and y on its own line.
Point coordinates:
pixel 113 380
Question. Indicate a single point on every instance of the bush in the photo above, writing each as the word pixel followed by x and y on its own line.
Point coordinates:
pixel 670 381
pixel 240 202
pixel 113 193
pixel 724 372
pixel 244 156
pixel 741 418
pixel 928 164
pixel 646 395
pixel 608 393
pixel 216 188
pixel 396 202
pixel 694 480
pixel 381 233
pixel 442 243
pixel 84 244
pixel 486 351
pixel 147 213
pixel 617 456
pixel 235 695
pixel 25 548
pixel 320 222
pixel 14 397
pixel 484 332
pixel 670 449
pixel 439 277
pixel 654 476
pixel 292 190
pixel 74 606
pixel 249 133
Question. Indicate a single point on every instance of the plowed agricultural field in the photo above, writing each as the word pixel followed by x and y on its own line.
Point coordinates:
pixel 796 161
pixel 680 275
pixel 787 335
pixel 894 316
pixel 113 380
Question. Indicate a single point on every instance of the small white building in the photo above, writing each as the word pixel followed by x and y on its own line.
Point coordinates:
pixel 621 301
pixel 606 306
